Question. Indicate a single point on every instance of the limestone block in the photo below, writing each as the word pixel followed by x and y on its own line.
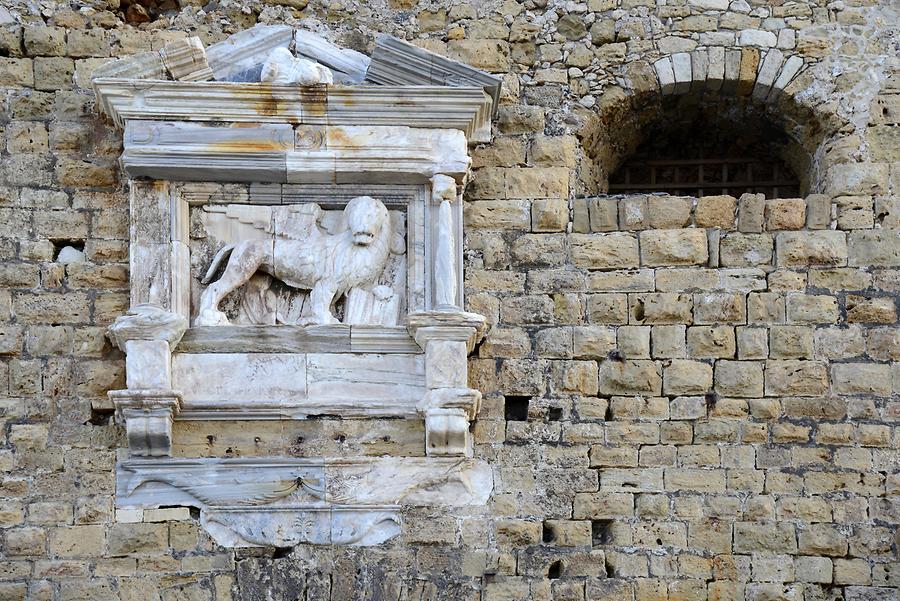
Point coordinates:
pixel 697 480
pixel 498 214
pixel 669 341
pixel 878 248
pixel 681 66
pixel 603 214
pixel 603 505
pixel 872 379
pixel 745 250
pixel 604 251
pixel 661 308
pixel 720 308
pixel 791 342
pixel 800 378
pixel 716 211
pixel 768 72
pixel 687 377
pixel 699 69
pixel 749 65
pixel 796 249
pixel 762 537
pixel 711 342
pixel 630 377
pixel 666 75
pixel 757 37
pixel 751 211
pixel 789 71
pixel 822 539
pixel 854 212
pixel 715 74
pixel 669 212
pixel 739 378
pixel 593 342
pixel 818 211
pixel 861 309
pixel 785 214
pixel 765 308
pixel 673 247
pixel 856 179
pixel 802 308
pixel 549 215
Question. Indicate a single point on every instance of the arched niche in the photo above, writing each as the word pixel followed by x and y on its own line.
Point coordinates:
pixel 750 96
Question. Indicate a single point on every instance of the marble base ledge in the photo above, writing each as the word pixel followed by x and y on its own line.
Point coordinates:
pixel 282 502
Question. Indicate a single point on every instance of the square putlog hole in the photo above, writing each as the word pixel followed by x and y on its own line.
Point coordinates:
pixel 515 408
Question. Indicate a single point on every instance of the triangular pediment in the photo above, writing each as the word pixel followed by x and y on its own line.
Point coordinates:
pixel 275 73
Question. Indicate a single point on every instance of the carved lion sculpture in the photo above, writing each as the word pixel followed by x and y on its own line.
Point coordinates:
pixel 328 265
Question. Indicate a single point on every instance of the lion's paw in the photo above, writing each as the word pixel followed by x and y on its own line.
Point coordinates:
pixel 211 317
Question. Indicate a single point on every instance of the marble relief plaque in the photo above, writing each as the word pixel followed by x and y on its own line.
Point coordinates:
pixel 271 297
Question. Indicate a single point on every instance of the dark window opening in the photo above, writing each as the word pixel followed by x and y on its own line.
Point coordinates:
pixel 708 149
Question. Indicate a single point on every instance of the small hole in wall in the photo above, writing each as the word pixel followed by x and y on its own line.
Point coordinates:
pixel 101 416
pixel 516 408
pixel 601 532
pixel 549 534
pixel 68 250
pixel 281 552
pixel 555 570
pixel 554 414
pixel 639 314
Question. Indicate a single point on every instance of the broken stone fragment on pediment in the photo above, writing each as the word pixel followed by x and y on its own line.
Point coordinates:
pixel 185 60
pixel 242 55
pixel 348 66
pixel 283 68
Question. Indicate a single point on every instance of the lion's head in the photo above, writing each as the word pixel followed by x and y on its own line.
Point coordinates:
pixel 367 219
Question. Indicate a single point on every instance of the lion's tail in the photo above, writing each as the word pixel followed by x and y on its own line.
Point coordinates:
pixel 226 250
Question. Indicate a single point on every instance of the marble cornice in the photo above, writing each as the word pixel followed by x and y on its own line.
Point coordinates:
pixel 467 109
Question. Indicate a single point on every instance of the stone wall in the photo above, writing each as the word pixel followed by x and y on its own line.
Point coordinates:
pixel 685 399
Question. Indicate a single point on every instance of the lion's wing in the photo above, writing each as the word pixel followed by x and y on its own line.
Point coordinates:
pixel 296 222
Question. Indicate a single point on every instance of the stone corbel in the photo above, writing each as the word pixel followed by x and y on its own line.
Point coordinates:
pixel 147 334
pixel 447 338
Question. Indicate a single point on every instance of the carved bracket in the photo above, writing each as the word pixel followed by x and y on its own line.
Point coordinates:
pixel 147 334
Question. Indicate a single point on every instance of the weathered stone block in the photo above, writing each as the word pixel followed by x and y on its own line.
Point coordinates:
pixel 673 247
pixel 796 378
pixel 687 377
pixel 878 248
pixel 739 378
pixel 796 249
pixel 661 308
pixel 716 211
pixel 604 251
pixel 630 377
pixel 761 537
pixel 861 378
pixel 802 308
